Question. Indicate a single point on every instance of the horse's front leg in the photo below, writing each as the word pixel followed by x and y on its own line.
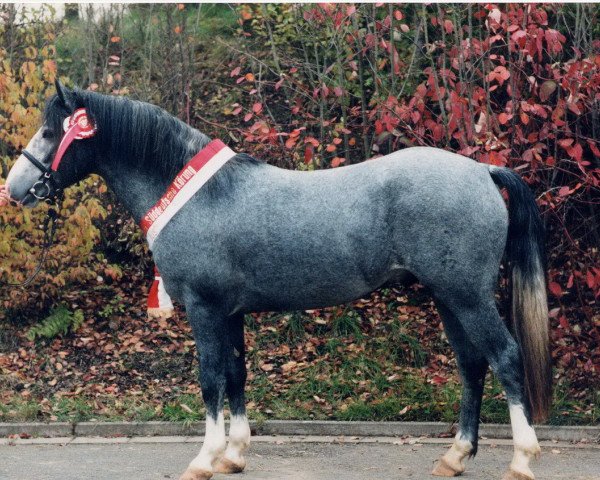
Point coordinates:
pixel 239 431
pixel 210 329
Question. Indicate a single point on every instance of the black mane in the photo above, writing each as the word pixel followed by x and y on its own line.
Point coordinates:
pixel 137 133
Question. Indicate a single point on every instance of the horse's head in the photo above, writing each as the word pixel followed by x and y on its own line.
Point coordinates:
pixel 37 175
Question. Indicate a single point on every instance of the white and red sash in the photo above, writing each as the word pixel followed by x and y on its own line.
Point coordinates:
pixel 188 181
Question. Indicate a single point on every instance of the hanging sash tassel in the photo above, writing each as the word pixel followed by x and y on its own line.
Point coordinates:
pixel 159 302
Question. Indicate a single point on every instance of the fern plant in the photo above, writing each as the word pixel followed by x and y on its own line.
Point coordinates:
pixel 59 322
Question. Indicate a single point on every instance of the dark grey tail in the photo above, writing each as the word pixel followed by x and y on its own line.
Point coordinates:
pixel 527 260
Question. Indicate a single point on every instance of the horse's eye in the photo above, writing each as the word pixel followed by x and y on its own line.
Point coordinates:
pixel 47 133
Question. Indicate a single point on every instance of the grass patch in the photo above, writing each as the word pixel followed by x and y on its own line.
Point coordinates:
pixel 387 409
pixel 402 347
pixel 410 398
pixel 19 410
pixel 337 364
pixel 568 410
pixel 73 409
pixel 187 408
pixel 347 324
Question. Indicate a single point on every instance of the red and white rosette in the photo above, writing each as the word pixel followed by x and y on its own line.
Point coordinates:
pixel 77 127
pixel 159 302
pixel 79 119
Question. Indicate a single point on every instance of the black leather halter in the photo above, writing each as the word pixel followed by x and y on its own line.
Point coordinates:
pixel 46 187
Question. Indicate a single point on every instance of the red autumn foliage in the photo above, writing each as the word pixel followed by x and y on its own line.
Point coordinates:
pixel 502 84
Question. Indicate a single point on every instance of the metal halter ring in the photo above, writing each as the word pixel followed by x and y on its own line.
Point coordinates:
pixel 34 192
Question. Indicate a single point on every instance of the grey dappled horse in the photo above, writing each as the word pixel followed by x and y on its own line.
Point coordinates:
pixel 258 238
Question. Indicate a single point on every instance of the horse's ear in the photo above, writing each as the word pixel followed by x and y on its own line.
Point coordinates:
pixel 61 91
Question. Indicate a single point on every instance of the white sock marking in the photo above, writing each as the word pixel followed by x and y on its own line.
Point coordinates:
pixel 214 444
pixel 239 439
pixel 524 439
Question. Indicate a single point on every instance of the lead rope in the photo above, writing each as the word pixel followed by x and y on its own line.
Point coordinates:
pixel 49 228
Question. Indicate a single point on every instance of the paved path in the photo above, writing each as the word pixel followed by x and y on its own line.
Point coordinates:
pixel 272 458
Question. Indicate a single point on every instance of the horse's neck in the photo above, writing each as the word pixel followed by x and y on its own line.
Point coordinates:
pixel 139 187
pixel 137 190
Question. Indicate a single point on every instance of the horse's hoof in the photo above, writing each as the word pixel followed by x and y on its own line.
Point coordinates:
pixel 512 475
pixel 224 465
pixel 444 469
pixel 196 474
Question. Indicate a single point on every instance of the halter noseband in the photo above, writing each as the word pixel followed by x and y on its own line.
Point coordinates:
pixel 76 127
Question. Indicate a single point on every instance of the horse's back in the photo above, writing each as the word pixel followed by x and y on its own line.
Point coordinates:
pixel 422 168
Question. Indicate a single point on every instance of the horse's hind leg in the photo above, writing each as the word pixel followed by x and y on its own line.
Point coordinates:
pixel 489 335
pixel 472 367
pixel 233 460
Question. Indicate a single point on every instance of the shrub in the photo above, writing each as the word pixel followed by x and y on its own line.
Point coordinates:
pixel 504 84
pixel 27 74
